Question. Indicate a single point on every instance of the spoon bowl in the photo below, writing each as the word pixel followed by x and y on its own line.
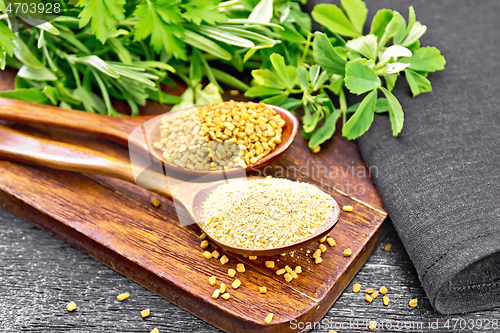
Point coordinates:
pixel 21 147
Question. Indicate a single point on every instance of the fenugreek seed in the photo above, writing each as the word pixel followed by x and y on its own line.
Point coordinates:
pixel 413 303
pixel 322 247
pixel 356 288
pixel 269 264
pixel 298 269
pixel 145 313
pixel 385 299
pixel 71 306
pixel 263 290
pixel 123 296
pixel 212 280
pixel 347 252
pixel 375 294
pixel 322 240
pixel 347 208
pixel 331 331
pixel 155 202
pixel 388 247
pixel 236 284
pixel 204 244
pixel 226 296
pixel 234 92
pixel 215 254
pixel 216 294
pixel 280 271
pixel 203 236
pixel 368 298
pixel 331 241
pixel 317 254
pixel 288 269
pixel 383 290
pixel 155 330
pixel 222 288
pixel 231 272
pixel 294 275
pixel 224 260
pixel 373 325
pixel 318 260
pixel 369 290
pixel 316 149
pixel 252 257
pixel 240 268
pixel 207 255
pixel 269 318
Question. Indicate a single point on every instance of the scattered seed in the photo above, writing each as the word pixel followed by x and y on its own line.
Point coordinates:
pixel 373 325
pixel 317 254
pixel 212 280
pixel 204 244
pixel 413 303
pixel 332 331
pixel 322 240
pixel 216 294
pixel 155 330
pixel 240 268
pixel 222 288
pixel 383 290
pixel 375 294
pixel 207 255
pixel 331 241
pixel 318 260
pixel 269 318
pixel 203 236
pixel 123 296
pixel 356 288
pixel 348 208
pixel 294 275
pixel 368 298
pixel 388 247
pixel 288 277
pixel 280 271
pixel 71 306
pixel 385 299
pixel 252 257
pixel 269 264
pixel 234 92
pixel 236 284
pixel 215 254
pixel 155 202
pixel 231 272
pixel 224 260
pixel 347 252
pixel 322 247
pixel 262 290
pixel 288 269
pixel 298 269
pixel 316 149
pixel 145 313
pixel 226 296
pixel 369 290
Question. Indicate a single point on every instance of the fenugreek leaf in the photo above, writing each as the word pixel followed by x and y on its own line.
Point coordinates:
pixel 359 78
pixel 333 18
pixel 7 38
pixel 418 83
pixel 380 22
pixel 356 11
pixel 425 59
pixel 326 131
pixel 365 45
pixel 266 78
pixel 362 119
pixel 326 55
pixel 281 70
pixel 396 114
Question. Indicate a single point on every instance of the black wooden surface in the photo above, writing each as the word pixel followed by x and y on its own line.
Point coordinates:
pixel 40 274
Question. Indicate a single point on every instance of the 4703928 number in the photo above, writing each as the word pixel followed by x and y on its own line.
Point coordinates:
pixel 458 324
pixel 33 8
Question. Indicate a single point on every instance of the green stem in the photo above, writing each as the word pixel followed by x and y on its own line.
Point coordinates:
pixel 229 3
pixel 343 105
pixel 306 49
pixel 104 92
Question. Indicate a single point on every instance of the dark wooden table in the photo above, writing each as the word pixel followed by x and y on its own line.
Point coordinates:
pixel 41 274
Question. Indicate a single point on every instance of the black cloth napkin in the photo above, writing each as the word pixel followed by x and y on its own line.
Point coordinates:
pixel 440 178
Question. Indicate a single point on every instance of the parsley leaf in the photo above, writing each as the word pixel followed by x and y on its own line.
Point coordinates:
pixel 197 11
pixel 6 39
pixel 103 14
pixel 160 20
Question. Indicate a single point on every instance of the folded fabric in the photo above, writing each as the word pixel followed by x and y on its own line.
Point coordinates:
pixel 439 179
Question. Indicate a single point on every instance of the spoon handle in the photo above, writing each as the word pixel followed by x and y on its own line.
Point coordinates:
pixel 28 149
pixel 116 129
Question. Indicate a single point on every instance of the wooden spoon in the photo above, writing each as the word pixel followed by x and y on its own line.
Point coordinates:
pixel 119 129
pixel 28 149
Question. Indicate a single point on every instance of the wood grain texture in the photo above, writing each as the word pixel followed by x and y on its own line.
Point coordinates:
pixel 113 222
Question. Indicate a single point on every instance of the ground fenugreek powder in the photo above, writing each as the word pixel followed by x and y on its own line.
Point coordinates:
pixel 266 213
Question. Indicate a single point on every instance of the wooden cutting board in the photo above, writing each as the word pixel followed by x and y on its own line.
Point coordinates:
pixel 113 222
